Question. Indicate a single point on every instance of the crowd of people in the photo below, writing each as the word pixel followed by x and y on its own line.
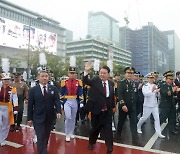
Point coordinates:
pixel 96 98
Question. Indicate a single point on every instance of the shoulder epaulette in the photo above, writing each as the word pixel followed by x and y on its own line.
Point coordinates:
pixel 80 83
pixel 13 90
pixel 115 84
pixel 63 83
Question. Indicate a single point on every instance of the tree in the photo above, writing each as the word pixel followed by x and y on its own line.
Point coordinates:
pixel 117 68
pixel 54 63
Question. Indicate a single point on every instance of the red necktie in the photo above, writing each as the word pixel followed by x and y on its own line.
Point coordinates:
pixel 45 91
pixel 104 106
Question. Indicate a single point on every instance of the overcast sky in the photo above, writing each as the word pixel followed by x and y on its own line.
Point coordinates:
pixel 73 14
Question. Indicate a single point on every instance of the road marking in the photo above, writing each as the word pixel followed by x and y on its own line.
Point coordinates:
pixel 153 139
pixel 116 144
pixel 13 144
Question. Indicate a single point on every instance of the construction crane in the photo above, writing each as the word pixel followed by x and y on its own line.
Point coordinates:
pixel 126 19
pixel 127 12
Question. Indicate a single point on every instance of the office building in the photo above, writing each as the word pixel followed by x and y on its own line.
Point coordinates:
pixel 149 47
pixel 22 30
pixel 93 48
pixel 173 50
pixel 103 26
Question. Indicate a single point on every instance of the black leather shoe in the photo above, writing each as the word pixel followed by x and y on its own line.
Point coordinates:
pixel 12 128
pixel 91 147
pixel 18 127
pixel 174 132
pixel 177 127
pixel 109 151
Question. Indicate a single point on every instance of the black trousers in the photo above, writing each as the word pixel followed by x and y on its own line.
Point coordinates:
pixel 102 121
pixel 43 132
pixel 20 109
pixel 133 122
pixel 170 114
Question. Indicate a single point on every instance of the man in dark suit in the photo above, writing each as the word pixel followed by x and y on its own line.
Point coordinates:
pixel 43 107
pixel 100 104
pixel 127 104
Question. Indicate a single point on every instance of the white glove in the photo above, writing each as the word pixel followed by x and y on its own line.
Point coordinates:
pixel 61 106
pixel 15 112
pixel 81 105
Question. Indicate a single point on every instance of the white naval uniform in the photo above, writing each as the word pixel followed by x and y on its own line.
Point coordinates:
pixel 150 106
pixel 4 117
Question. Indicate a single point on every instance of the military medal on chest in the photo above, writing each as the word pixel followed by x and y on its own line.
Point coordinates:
pixel 169 92
pixel 127 88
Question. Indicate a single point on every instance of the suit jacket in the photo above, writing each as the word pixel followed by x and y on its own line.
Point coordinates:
pixel 41 108
pixel 96 96
pixel 177 83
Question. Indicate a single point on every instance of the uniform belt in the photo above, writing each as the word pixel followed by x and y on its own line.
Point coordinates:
pixel 10 111
pixel 70 97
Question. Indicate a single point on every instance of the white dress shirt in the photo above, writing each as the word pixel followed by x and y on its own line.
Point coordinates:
pixel 107 87
pixel 42 89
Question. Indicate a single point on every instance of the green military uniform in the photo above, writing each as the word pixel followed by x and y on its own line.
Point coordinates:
pixel 167 104
pixel 126 96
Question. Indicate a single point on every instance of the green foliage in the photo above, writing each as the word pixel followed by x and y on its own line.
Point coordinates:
pixel 117 68
pixel 54 63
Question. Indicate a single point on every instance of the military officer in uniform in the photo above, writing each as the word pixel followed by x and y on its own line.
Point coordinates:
pixel 22 93
pixel 167 103
pixel 138 93
pixel 71 95
pixel 127 104
pixel 8 95
pixel 150 92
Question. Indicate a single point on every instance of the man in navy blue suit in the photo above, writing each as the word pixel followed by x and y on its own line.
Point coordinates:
pixel 43 107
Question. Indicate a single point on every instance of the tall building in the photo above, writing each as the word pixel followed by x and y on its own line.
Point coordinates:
pixel 91 49
pixel 173 49
pixel 149 47
pixel 69 36
pixel 103 26
pixel 22 30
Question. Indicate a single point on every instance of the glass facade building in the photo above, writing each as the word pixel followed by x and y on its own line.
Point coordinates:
pixel 101 25
pixel 149 47
pixel 173 50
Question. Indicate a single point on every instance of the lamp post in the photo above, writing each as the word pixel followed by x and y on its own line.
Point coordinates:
pixel 29 42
